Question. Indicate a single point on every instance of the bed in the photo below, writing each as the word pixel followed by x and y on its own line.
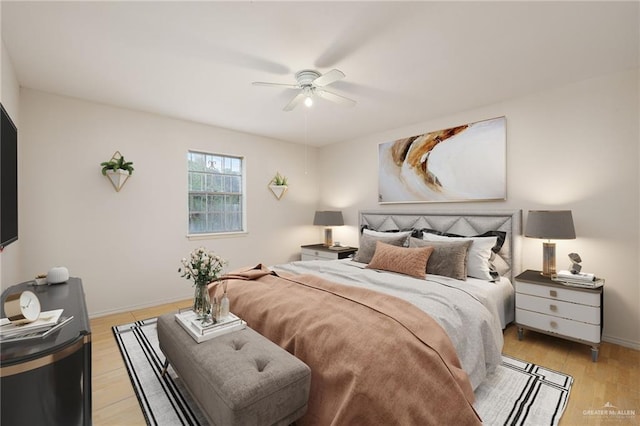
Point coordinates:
pixel 383 346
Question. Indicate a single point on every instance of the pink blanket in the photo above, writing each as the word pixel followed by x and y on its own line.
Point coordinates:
pixel 375 359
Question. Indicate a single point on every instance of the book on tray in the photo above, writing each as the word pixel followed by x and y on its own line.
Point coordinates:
pixel 45 325
pixel 579 279
pixel 201 331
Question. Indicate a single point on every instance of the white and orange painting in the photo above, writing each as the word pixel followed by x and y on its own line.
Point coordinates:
pixel 463 163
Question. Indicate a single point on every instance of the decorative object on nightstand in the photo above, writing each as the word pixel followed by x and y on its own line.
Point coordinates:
pixel 575 263
pixel 322 252
pixel 578 279
pixel 328 219
pixel 203 267
pixel 550 225
pixel 117 170
pixel 573 277
pixel 549 307
pixel 278 185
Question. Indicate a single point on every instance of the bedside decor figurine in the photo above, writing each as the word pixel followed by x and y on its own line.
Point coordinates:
pixel 575 263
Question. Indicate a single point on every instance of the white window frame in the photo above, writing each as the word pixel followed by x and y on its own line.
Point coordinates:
pixel 243 196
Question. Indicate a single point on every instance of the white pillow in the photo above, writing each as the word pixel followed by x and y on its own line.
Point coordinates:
pixel 388 234
pixel 479 256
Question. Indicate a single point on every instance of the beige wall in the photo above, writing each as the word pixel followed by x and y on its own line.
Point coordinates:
pixel 575 147
pixel 9 96
pixel 126 246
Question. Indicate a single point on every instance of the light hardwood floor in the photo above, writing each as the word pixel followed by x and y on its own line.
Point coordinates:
pixel 114 401
pixel 614 379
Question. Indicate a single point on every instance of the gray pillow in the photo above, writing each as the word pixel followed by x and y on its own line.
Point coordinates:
pixel 368 245
pixel 448 259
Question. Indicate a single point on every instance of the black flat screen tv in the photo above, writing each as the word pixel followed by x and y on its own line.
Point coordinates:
pixel 8 180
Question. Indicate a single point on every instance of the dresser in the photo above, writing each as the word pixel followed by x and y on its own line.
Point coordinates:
pixel 322 252
pixel 48 381
pixel 549 307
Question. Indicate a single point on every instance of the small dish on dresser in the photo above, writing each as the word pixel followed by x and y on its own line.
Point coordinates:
pixel 41 279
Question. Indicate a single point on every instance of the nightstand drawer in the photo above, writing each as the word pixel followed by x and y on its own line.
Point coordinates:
pixel 564 327
pixel 558 308
pixel 557 293
pixel 311 254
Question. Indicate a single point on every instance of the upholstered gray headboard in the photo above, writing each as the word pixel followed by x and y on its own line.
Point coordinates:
pixel 506 261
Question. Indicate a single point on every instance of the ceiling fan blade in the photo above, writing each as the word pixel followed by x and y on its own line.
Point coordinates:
pixel 333 97
pixel 262 83
pixel 328 78
pixel 295 101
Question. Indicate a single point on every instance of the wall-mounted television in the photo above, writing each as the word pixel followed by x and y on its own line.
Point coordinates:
pixel 8 180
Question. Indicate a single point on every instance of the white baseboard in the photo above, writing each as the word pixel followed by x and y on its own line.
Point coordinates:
pixel 622 342
pixel 138 306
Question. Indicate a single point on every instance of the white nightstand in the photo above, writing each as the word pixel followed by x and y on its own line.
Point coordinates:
pixel 322 252
pixel 572 313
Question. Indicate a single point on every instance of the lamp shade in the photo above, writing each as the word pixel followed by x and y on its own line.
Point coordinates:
pixel 328 218
pixel 550 224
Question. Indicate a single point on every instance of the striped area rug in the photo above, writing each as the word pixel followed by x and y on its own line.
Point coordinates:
pixel 164 400
pixel 521 393
pixel 518 393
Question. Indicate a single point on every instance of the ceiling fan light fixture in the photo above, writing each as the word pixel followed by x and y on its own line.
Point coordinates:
pixel 311 83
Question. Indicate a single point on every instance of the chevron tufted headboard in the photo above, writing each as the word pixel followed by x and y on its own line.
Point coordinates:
pixel 506 261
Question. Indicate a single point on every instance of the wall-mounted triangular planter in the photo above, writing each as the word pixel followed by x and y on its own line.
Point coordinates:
pixel 278 190
pixel 118 178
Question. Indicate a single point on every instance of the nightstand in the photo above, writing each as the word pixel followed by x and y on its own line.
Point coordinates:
pixel 549 307
pixel 322 252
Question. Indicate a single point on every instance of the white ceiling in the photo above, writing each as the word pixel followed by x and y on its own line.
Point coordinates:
pixel 404 62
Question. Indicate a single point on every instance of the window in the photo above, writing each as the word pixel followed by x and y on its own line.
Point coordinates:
pixel 216 193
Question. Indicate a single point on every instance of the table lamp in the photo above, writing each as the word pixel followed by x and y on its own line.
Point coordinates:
pixel 328 219
pixel 550 225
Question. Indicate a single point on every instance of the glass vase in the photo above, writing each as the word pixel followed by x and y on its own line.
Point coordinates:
pixel 202 302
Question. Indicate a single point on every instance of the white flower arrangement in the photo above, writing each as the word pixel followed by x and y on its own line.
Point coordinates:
pixel 202 266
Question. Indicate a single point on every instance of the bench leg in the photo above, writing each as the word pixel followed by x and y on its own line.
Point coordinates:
pixel 165 366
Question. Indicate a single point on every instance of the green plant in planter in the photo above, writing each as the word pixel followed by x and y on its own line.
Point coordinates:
pixel 116 164
pixel 279 180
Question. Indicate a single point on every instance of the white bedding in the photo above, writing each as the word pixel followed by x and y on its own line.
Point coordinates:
pixel 472 312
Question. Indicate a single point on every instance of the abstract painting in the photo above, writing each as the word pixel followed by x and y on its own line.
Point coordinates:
pixel 462 163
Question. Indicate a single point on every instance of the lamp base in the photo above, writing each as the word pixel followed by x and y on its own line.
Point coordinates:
pixel 328 237
pixel 548 259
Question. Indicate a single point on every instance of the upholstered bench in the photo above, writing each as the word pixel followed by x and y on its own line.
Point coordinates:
pixel 240 378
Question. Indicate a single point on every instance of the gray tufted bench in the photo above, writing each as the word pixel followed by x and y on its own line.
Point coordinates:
pixel 240 378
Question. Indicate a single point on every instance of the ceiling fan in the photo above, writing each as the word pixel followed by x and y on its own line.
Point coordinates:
pixel 311 83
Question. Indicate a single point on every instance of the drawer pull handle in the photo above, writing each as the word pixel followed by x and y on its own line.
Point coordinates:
pixel 316 253
pixel 553 293
pixel 553 324
pixel 553 308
